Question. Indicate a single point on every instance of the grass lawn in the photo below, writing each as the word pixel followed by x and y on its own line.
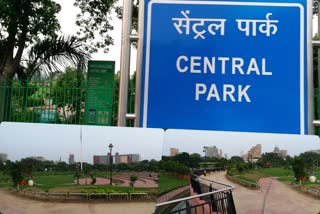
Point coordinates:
pixel 256 175
pixel 275 172
pixel 64 182
pixel 244 178
pixel 167 183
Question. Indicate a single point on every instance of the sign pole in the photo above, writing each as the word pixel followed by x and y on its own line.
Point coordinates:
pixel 125 62
pixel 139 64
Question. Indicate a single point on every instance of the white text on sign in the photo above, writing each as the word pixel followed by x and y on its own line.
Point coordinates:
pixel 227 66
pixel 200 26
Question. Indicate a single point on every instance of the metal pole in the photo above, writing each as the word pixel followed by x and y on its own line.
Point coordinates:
pixel 81 147
pixel 310 89
pixel 125 62
pixel 137 102
pixel 110 166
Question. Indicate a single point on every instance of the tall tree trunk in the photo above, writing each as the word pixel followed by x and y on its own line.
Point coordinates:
pixel 5 89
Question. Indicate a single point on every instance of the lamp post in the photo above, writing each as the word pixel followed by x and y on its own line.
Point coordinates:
pixel 110 162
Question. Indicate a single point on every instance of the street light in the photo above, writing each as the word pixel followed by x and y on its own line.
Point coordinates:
pixel 110 162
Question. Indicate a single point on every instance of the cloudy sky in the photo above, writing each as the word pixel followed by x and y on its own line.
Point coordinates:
pixel 233 143
pixel 20 140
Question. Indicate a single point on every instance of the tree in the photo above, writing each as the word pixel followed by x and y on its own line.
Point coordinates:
pixel 298 168
pixel 272 159
pixel 77 175
pixel 22 23
pixel 133 179
pixel 51 54
pixel 236 159
pixel 94 19
pixel 16 173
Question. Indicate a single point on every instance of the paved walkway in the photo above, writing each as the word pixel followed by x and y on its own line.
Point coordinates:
pixel 274 197
pixel 11 204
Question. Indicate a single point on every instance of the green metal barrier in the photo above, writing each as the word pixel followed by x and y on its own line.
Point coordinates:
pixel 52 101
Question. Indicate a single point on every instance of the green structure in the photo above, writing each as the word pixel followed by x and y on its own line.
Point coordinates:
pixel 99 97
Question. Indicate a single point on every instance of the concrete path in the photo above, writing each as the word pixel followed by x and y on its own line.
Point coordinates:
pixel 274 197
pixel 12 204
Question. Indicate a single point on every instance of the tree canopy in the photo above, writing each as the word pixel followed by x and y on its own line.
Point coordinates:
pixel 23 22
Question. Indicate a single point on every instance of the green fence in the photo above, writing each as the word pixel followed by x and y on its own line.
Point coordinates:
pixel 65 102
pixel 52 101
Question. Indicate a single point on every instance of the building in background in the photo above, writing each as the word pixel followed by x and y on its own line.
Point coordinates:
pixel 255 152
pixel 281 153
pixel 100 159
pixel 116 159
pixel 127 158
pixel 3 157
pixel 211 151
pixel 71 159
pixel 174 151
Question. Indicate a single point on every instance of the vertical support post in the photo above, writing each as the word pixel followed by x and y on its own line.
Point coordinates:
pixel 2 97
pixel 310 93
pixel 318 49
pixel 137 102
pixel 125 62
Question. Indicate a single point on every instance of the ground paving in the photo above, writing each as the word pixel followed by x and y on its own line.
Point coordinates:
pixel 12 204
pixel 273 197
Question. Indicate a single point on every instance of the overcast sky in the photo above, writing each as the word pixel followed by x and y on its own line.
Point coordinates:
pixel 20 140
pixel 232 143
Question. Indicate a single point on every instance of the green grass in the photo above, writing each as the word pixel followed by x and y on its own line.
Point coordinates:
pixel 275 172
pixel 117 189
pixel 245 179
pixel 167 183
pixel 255 175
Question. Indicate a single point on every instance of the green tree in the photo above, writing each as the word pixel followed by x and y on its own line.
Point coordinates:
pixel 273 159
pixel 298 168
pixel 94 19
pixel 69 94
pixel 77 175
pixel 51 54
pixel 16 173
pixel 23 22
pixel 236 159
pixel 133 179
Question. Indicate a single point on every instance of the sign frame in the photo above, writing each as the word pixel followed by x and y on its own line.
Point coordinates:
pixel 306 76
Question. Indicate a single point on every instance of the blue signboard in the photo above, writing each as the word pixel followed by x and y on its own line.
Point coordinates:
pixel 226 66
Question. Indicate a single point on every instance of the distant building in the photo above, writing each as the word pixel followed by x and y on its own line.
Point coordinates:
pixel 116 159
pixel 220 153
pixel 211 151
pixel 281 153
pixel 100 159
pixel 3 157
pixel 127 158
pixel 174 151
pixel 255 152
pixel 134 158
pixel 71 159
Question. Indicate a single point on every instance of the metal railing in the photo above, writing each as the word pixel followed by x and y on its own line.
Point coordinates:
pixel 203 199
pixel 53 102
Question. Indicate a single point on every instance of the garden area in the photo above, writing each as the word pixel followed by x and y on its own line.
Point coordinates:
pixel 152 178
pixel 301 171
